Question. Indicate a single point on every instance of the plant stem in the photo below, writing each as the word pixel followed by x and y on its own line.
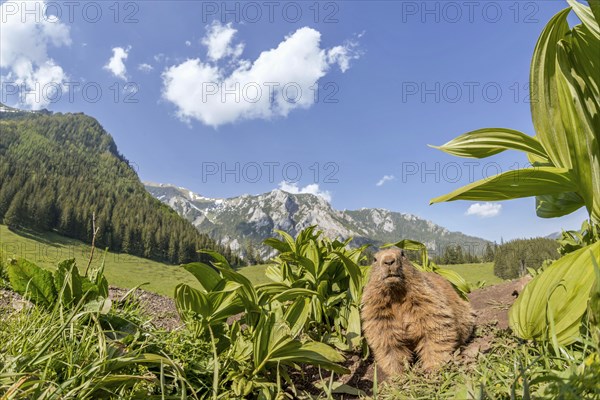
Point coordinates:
pixel 216 361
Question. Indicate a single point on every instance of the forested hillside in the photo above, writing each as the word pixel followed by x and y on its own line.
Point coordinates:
pixel 514 257
pixel 57 170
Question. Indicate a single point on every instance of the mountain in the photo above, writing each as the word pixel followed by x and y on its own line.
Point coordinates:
pixel 59 170
pixel 554 235
pixel 244 222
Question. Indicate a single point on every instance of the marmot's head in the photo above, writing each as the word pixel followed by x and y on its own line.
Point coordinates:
pixel 388 267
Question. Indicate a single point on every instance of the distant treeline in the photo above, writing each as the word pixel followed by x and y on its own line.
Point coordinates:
pixel 57 171
pixel 514 257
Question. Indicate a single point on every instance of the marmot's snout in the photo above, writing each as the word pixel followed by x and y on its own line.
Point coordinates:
pixel 389 264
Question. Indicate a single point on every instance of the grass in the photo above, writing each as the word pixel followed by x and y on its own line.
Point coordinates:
pixel 127 271
pixel 122 270
pixel 256 273
pixel 478 272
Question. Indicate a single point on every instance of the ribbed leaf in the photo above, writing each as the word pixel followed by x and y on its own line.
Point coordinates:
pixel 514 184
pixel 595 7
pixel 546 119
pixel 288 239
pixel 293 293
pixel 564 287
pixel 31 281
pixel 191 301
pixel 455 279
pixel 205 274
pixel 551 206
pixel 277 244
pixel 489 141
pixel 314 353
pixel 578 90
pixel 586 16
pixel 68 282
pixel 219 259
pixel 297 315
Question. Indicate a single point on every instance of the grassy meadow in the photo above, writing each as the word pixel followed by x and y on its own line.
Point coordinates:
pixel 122 270
pixel 127 271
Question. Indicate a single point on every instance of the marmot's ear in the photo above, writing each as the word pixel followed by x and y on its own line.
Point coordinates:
pixel 402 253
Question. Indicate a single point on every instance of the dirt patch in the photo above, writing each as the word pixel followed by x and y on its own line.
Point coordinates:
pixel 491 303
pixel 161 309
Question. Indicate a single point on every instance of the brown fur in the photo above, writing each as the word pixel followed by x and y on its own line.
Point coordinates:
pixel 410 315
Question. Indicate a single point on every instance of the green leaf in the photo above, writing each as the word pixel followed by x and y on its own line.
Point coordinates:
pixel 278 245
pixel 297 314
pixel 408 244
pixel 220 260
pixel 314 353
pixel 190 301
pixel 68 282
pixel 595 7
pixel 32 282
pixel 208 277
pixel 544 99
pixel 288 239
pixel 355 273
pixel 293 293
pixel 578 90
pixel 551 206
pixel 564 288
pixel 514 184
pixel 455 279
pixel 486 142
pixel 586 16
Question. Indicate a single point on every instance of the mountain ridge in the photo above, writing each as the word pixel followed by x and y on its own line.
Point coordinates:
pixel 244 221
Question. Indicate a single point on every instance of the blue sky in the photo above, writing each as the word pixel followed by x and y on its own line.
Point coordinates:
pixel 392 77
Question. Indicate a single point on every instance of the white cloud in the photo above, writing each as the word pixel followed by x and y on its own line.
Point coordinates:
pixel 218 41
pixel 145 67
pixel 484 210
pixel 310 189
pixel 188 43
pixel 342 55
pixel 116 64
pixel 385 179
pixel 24 43
pixel 280 80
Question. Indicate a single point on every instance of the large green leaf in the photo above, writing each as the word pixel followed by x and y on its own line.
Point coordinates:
pixel 558 295
pixel 288 239
pixel 551 206
pixel 515 184
pixel 278 245
pixel 595 7
pixel 297 314
pixel 31 281
pixel 314 353
pixel 578 89
pixel 208 277
pixel 586 16
pixel 545 105
pixel 218 258
pixel 190 301
pixel 486 142
pixel 293 293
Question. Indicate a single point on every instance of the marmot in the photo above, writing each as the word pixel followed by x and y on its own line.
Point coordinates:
pixel 409 315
